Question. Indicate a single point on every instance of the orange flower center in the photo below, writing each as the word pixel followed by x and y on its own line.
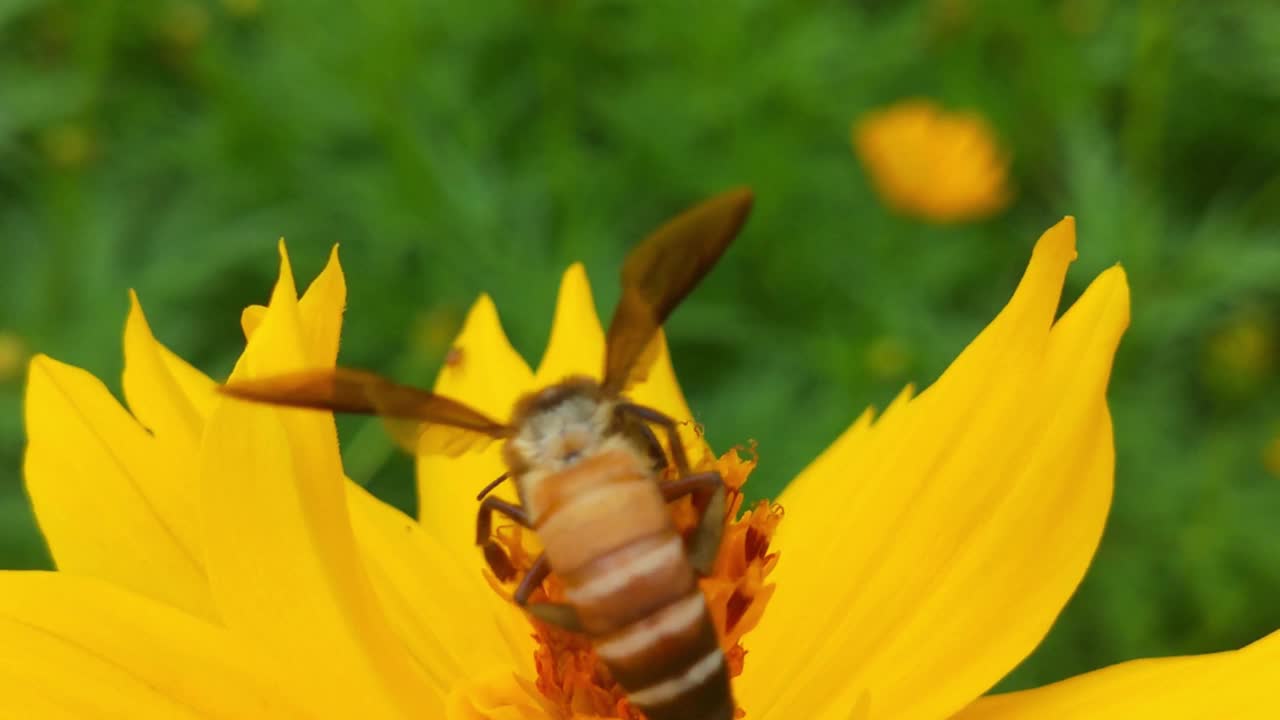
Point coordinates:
pixel 576 682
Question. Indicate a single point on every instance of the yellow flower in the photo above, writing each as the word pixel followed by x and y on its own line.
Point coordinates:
pixel 215 563
pixel 1271 455
pixel 13 356
pixel 68 146
pixel 242 8
pixel 944 167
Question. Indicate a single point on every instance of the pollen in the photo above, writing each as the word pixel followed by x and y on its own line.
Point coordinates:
pixel 575 681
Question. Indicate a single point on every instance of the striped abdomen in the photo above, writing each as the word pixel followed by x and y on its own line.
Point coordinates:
pixel 609 537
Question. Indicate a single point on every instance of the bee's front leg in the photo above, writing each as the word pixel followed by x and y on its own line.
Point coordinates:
pixel 484 519
pixel 706 487
pixel 494 555
pixel 558 614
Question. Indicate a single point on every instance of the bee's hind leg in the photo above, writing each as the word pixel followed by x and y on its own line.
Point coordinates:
pixel 558 614
pixel 708 487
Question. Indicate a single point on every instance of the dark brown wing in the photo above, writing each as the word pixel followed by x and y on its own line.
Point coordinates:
pixel 437 424
pixel 659 273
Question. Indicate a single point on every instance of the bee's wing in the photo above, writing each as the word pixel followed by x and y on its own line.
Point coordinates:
pixel 659 273
pixel 420 421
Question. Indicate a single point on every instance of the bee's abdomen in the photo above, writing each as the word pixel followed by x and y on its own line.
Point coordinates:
pixel 626 572
pixel 642 606
pixel 670 663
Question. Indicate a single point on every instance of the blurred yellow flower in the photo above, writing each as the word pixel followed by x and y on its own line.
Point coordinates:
pixel 887 357
pixel 1240 356
pixel 923 161
pixel 1271 455
pixel 13 355
pixel 67 146
pixel 185 26
pixel 216 563
pixel 242 8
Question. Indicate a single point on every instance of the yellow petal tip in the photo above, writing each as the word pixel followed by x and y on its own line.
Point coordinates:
pixel 135 318
pixel 1058 243
pixel 575 300
pixel 1116 281
pixel 482 310
pixel 575 273
pixel 285 265
pixel 135 321
pixel 285 290
pixel 333 263
pixel 39 359
pixel 250 318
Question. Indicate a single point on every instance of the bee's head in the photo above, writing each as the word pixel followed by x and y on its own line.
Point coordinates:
pixel 558 425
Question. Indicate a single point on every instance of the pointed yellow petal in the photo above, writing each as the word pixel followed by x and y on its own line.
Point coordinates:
pixel 452 621
pixel 251 318
pixel 166 394
pixel 489 376
pixel 282 559
pixel 321 308
pixel 1240 685
pixel 104 493
pixel 83 649
pixel 576 345
pixel 946 538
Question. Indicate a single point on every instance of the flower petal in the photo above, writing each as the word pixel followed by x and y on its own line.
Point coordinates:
pixel 80 648
pixel 282 559
pixel 104 491
pixel 451 621
pixel 499 695
pixel 489 376
pixel 1240 684
pixel 958 525
pixel 166 394
pixel 576 345
pixel 321 310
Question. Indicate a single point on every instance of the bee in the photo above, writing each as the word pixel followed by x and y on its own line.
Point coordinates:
pixel 589 467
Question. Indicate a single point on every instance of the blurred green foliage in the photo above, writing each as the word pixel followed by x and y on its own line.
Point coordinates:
pixel 454 148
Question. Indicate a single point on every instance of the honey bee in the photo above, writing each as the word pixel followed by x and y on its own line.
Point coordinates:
pixel 588 468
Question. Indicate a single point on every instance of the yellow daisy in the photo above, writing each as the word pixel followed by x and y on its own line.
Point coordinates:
pixel 941 166
pixel 214 562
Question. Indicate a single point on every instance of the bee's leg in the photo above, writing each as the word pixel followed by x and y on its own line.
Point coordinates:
pixel 706 487
pixel 493 485
pixel 667 422
pixel 490 505
pixel 558 614
pixel 652 446
pixel 498 561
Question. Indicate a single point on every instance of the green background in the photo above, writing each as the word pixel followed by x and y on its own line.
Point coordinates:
pixel 460 147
